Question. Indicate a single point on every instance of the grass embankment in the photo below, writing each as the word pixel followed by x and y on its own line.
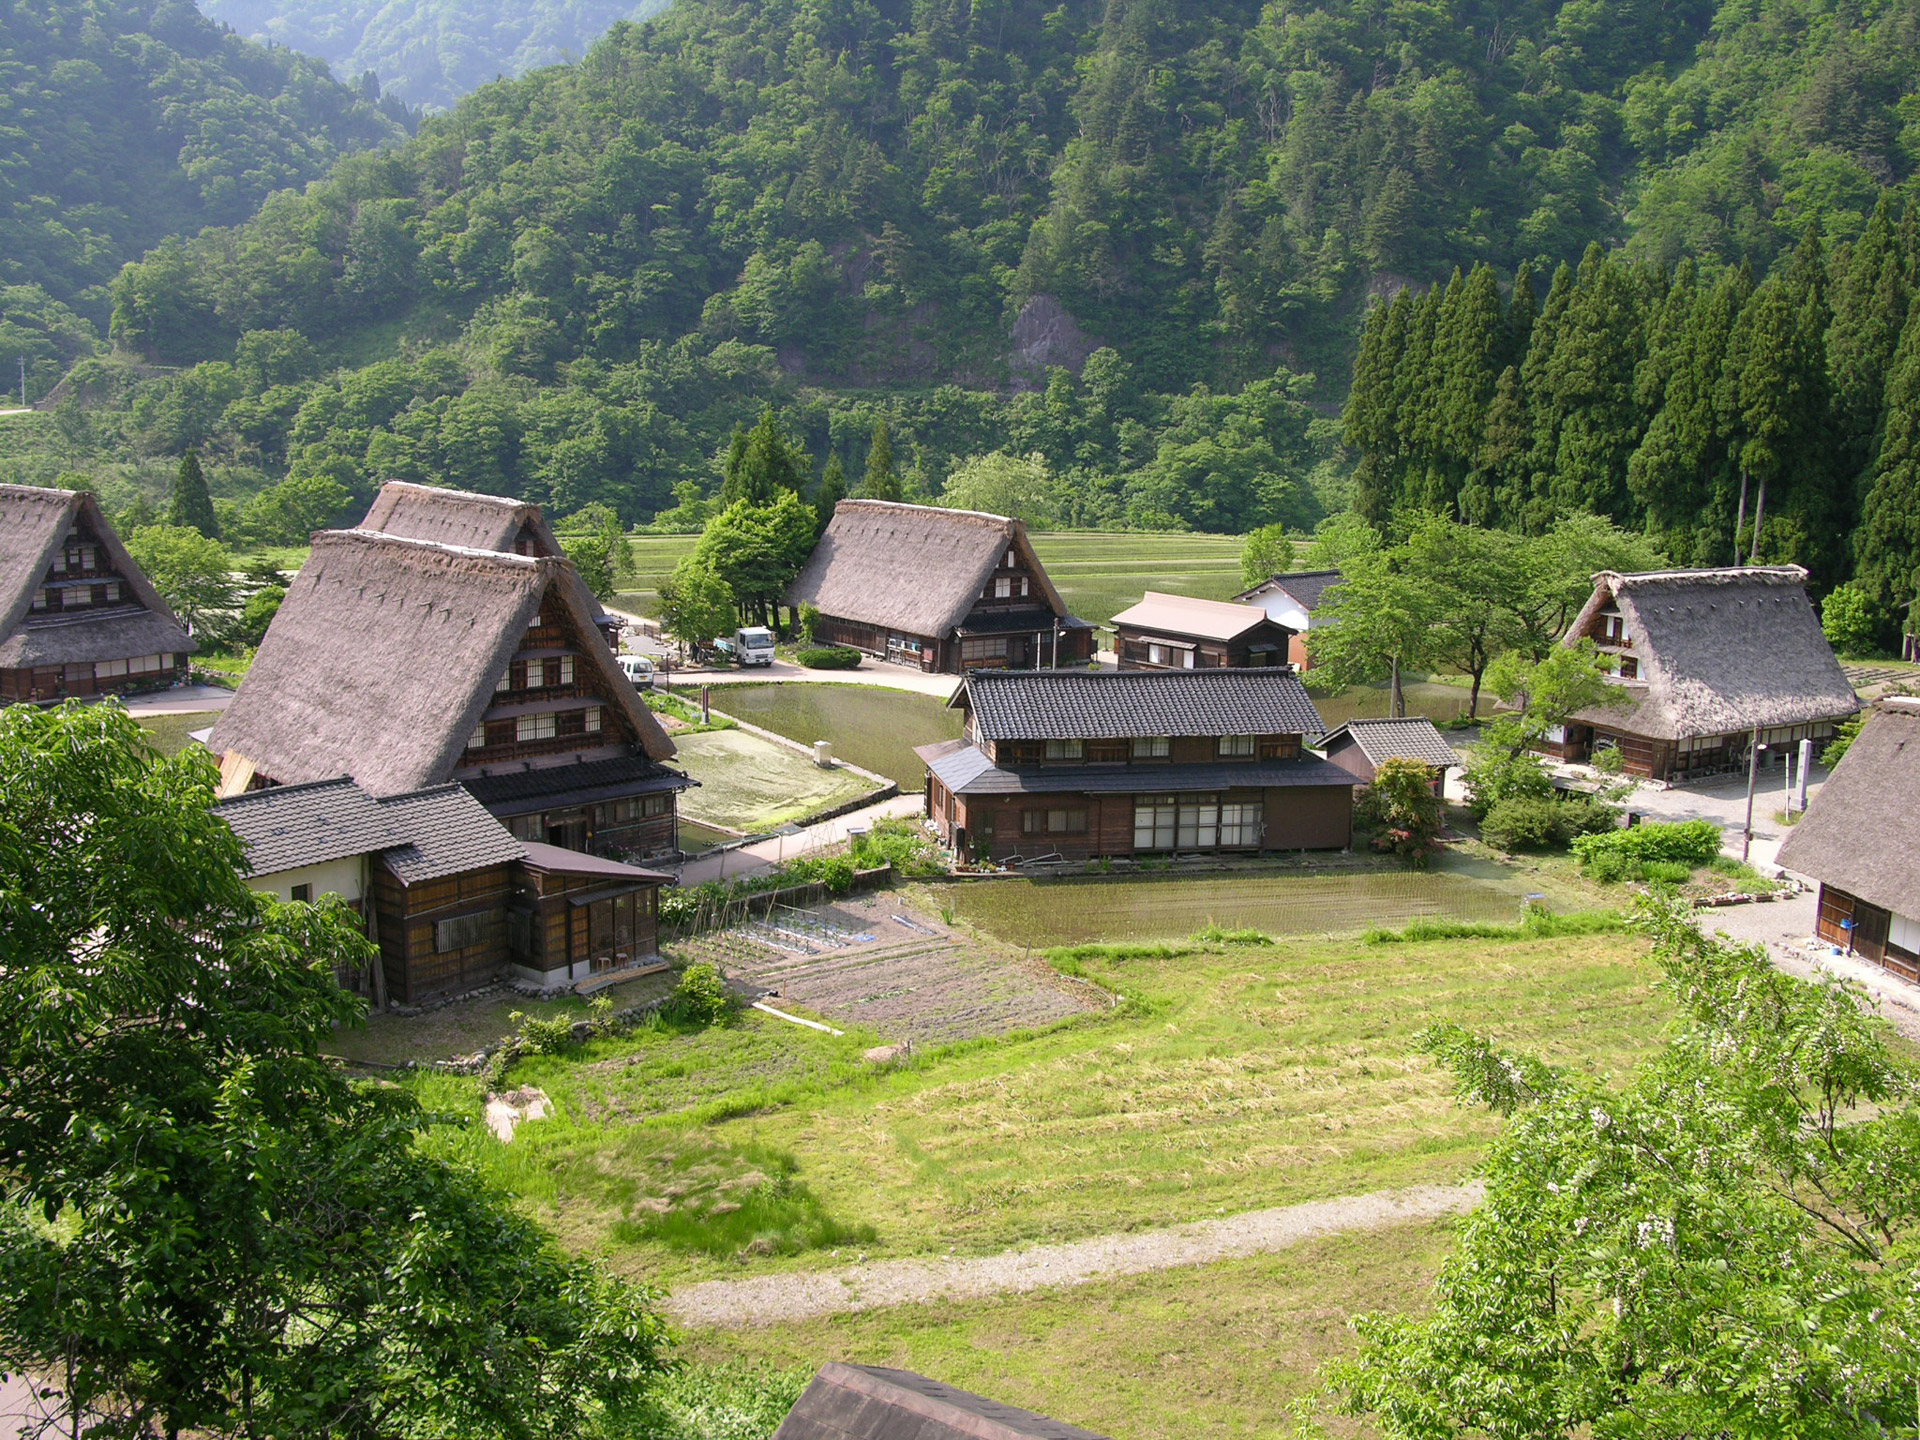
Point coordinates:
pixel 1226 1078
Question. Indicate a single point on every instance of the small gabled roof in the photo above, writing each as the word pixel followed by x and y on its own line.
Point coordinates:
pixel 448 833
pixel 1416 738
pixel 456 517
pixel 1187 615
pixel 912 568
pixel 384 655
pixel 1861 833
pixel 873 1402
pixel 1720 651
pixel 287 826
pixel 1120 704
pixel 1304 586
pixel 33 522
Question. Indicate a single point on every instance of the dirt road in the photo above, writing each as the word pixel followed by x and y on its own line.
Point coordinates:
pixel 776 1299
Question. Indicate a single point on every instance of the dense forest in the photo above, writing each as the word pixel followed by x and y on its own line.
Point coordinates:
pixel 1135 238
pixel 124 121
pixel 431 52
pixel 1777 421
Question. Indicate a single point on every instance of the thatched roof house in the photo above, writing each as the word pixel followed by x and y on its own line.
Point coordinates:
pixel 405 664
pixel 1182 632
pixel 1860 839
pixel 460 517
pixel 942 590
pixel 873 1402
pixel 1291 600
pixel 77 616
pixel 1080 764
pixel 1705 658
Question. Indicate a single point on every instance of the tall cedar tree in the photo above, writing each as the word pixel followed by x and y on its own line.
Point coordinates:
pixel 1870 301
pixel 832 490
pixel 881 481
pixel 1468 353
pixel 1889 561
pixel 1586 403
pixel 191 503
pixel 1523 504
pixel 762 463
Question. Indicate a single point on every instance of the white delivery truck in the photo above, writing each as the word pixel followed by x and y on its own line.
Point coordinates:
pixel 753 645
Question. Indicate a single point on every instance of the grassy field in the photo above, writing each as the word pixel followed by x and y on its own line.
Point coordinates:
pixel 752 785
pixel 654 557
pixel 1100 574
pixel 1223 1079
pixel 173 733
pixel 1221 1350
pixel 869 726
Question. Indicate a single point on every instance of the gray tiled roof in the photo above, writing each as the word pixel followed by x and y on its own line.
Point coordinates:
pixel 287 826
pixel 589 780
pixel 1119 704
pixel 448 831
pixel 1305 586
pixel 969 772
pixel 872 1402
pixel 1411 739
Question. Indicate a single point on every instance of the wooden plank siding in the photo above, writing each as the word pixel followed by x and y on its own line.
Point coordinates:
pixel 1316 817
pixel 416 969
pixel 1869 935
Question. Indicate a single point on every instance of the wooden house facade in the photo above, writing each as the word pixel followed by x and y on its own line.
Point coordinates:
pixel 1124 763
pixel 77 617
pixel 1706 662
pixel 406 664
pixel 1860 842
pixel 1179 632
pixel 1290 600
pixel 449 897
pixel 946 591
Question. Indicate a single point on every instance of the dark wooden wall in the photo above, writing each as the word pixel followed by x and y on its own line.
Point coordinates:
pixel 407 914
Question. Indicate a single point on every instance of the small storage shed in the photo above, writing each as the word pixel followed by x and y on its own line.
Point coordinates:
pixel 872 1402
pixel 1179 632
pixel 1360 747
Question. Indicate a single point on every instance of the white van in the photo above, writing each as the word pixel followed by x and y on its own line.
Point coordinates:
pixel 638 669
pixel 753 645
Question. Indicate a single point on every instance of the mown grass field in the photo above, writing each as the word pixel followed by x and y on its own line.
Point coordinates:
pixel 752 785
pixel 1223 1079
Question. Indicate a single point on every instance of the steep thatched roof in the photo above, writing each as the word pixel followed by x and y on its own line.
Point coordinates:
pixel 384 655
pixel 1861 833
pixel 1185 615
pixel 917 569
pixel 872 1402
pixel 1719 651
pixel 457 517
pixel 33 524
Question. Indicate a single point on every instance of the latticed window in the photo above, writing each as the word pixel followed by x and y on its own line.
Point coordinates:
pixel 1151 747
pixel 534 727
pixel 1236 747
pixel 1066 749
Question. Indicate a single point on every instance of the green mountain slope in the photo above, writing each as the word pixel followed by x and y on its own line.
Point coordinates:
pixel 855 207
pixel 431 52
pixel 122 122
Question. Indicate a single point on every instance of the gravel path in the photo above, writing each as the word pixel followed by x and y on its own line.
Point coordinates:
pixel 777 1299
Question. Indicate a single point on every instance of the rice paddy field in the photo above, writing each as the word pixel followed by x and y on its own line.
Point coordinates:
pixel 870 726
pixel 752 785
pixel 1078 910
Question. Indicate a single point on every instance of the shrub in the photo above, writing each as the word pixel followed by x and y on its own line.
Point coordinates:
pixel 1691 842
pixel 829 657
pixel 1666 872
pixel 833 871
pixel 1607 868
pixel 1587 815
pixel 902 844
pixel 539 1035
pixel 702 996
pixel 1537 924
pixel 1526 823
pixel 1494 776
pixel 1401 811
pixel 1851 620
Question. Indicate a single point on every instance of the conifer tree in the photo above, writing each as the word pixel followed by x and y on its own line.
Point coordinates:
pixel 1369 415
pixel 1466 362
pixel 1870 301
pixel 1526 506
pixel 833 489
pixel 1413 394
pixel 881 482
pixel 763 462
pixel 191 504
pixel 1586 396
pixel 1679 470
pixel 1889 540
pixel 1496 489
pixel 1522 310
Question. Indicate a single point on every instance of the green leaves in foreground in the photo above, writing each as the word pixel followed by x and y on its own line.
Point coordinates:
pixel 1723 1246
pixel 204 1226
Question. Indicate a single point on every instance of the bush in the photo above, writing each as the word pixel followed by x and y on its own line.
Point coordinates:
pixel 1538 924
pixel 1851 620
pixel 1494 776
pixel 1401 812
pixel 1689 842
pixel 829 657
pixel 1665 872
pixel 1527 823
pixel 902 844
pixel 833 871
pixel 701 997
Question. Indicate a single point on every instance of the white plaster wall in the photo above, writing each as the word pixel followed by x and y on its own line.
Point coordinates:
pixel 333 877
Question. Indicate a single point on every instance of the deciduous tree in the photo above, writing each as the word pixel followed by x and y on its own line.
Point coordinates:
pixel 191 572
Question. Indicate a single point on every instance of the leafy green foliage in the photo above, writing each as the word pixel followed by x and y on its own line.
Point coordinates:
pixel 701 996
pixel 1493 775
pixel 1722 1245
pixel 696 603
pixel 1002 484
pixel 1851 621
pixel 1694 842
pixel 593 558
pixel 1535 924
pixel 191 572
pixel 901 843
pixel 1401 810
pixel 830 657
pixel 207 1227
pixel 834 872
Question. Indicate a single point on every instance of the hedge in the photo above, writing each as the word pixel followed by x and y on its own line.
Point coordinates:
pixel 830 657
pixel 1689 842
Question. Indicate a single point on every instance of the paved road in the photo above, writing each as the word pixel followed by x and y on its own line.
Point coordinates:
pixel 779 1299
pixel 766 855
pixel 181 700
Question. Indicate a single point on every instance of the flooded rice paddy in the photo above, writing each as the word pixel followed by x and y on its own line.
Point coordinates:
pixel 872 727
pixel 1076 911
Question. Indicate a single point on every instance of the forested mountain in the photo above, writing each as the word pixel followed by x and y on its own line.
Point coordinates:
pixel 431 52
pixel 123 121
pixel 578 282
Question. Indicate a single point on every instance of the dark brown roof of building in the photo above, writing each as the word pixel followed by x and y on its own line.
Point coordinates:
pixel 448 833
pixel 424 835
pixel 1719 651
pixel 1120 704
pixel 1861 833
pixel 33 523
pixel 384 655
pixel 1305 586
pixel 916 569
pixel 872 1402
pixel 1415 738
pixel 517 791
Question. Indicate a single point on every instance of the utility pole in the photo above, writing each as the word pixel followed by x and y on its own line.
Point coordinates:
pixel 1753 769
pixel 23 382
